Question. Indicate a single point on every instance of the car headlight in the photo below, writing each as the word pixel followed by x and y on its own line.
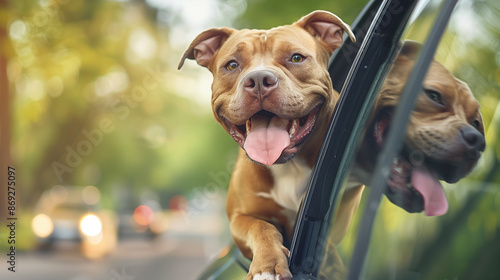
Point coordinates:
pixel 42 225
pixel 91 225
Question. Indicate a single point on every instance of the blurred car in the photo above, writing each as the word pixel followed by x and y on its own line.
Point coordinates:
pixel 142 217
pixel 142 221
pixel 71 217
pixel 411 248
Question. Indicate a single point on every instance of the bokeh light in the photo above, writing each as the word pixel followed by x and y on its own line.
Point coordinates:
pixel 91 225
pixel 42 225
pixel 143 215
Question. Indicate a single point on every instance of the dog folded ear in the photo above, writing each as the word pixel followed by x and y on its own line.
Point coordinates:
pixel 410 49
pixel 326 27
pixel 205 45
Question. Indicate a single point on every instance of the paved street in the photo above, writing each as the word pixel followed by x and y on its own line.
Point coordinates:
pixel 134 259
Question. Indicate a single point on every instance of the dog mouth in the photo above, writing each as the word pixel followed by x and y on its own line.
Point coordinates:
pixel 415 188
pixel 412 184
pixel 268 138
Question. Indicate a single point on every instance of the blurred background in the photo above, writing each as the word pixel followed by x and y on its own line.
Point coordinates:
pixel 121 169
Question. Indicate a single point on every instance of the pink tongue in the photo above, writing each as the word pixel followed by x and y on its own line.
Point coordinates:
pixel 428 186
pixel 266 139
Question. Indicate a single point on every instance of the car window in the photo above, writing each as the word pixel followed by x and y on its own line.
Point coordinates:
pixel 439 217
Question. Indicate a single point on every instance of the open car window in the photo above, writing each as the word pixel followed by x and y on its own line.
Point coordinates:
pixel 452 230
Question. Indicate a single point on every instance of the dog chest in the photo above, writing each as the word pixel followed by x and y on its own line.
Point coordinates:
pixel 290 182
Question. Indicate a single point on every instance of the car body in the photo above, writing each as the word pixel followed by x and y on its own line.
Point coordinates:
pixel 70 217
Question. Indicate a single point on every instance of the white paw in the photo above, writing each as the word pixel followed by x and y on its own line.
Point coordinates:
pixel 265 276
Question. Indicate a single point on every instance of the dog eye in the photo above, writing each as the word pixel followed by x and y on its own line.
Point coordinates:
pixel 231 65
pixel 297 58
pixel 434 96
pixel 476 124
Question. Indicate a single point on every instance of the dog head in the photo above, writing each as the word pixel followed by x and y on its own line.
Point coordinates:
pixel 444 139
pixel 271 87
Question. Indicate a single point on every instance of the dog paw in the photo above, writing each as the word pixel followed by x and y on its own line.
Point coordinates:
pixel 284 275
pixel 269 276
pixel 270 266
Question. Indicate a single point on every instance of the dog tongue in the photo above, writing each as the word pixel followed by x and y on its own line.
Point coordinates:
pixel 266 138
pixel 435 202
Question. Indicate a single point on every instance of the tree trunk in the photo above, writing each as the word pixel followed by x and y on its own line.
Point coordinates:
pixel 4 116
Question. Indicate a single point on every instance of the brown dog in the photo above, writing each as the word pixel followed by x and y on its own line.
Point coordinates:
pixel 444 139
pixel 272 93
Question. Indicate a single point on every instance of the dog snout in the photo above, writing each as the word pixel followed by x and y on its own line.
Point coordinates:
pixel 260 82
pixel 473 139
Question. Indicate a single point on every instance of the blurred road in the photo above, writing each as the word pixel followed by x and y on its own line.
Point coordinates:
pixel 134 259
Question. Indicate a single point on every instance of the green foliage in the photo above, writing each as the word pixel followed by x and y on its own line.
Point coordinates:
pixel 93 103
pixel 266 14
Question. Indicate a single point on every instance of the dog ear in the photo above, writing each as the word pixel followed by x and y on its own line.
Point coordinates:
pixel 410 49
pixel 327 27
pixel 205 45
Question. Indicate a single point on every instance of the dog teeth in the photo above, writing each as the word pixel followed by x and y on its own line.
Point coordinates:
pixel 395 160
pixel 398 169
pixel 248 125
pixel 293 127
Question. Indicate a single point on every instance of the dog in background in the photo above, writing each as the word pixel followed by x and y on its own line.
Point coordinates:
pixel 444 140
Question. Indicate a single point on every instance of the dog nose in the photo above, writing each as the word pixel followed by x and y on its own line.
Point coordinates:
pixel 473 139
pixel 260 82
